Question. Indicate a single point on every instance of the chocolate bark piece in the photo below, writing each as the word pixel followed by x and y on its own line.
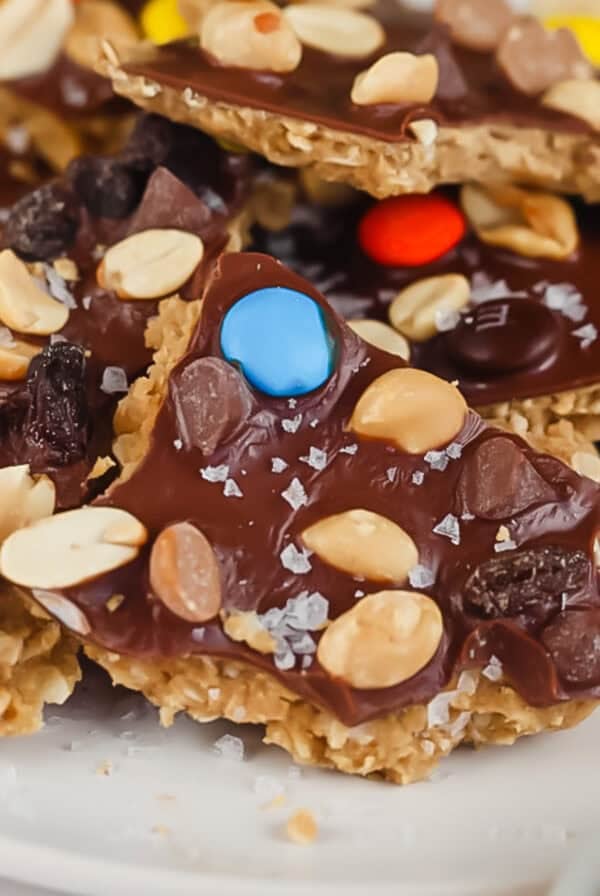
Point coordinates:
pixel 388 147
pixel 66 228
pixel 523 349
pixel 283 626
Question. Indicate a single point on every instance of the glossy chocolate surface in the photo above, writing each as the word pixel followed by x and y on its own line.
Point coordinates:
pixel 542 503
pixel 67 89
pixel 176 178
pixel 471 87
pixel 517 339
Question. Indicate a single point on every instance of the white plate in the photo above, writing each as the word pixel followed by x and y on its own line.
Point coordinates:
pixel 175 819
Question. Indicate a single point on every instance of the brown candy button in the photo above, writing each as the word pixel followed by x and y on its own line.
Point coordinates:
pixel 476 24
pixel 498 482
pixel 211 401
pixel 505 335
pixel 573 642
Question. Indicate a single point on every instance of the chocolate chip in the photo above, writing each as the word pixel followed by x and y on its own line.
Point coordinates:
pixel 476 24
pixel 211 401
pixel 167 202
pixel 573 642
pixel 498 481
pixel 533 58
pixel 43 224
pixel 503 336
pixel 57 420
pixel 106 186
pixel 533 581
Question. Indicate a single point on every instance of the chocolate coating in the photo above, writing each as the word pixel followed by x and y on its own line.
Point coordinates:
pixel 472 88
pixel 248 531
pixel 68 90
pixel 518 337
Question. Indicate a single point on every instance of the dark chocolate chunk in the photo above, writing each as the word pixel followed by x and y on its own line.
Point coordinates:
pixel 150 142
pixel 452 84
pixel 57 420
pixel 167 202
pixel 533 581
pixel 211 401
pixel 573 642
pixel 43 224
pixel 505 335
pixel 499 481
pixel 108 187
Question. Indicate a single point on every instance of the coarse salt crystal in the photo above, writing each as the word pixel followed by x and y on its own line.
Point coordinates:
pixel 229 747
pixel 358 593
pixel 587 335
pixel 420 576
pixel 418 477
pixel 215 474
pixel 317 459
pixel 58 288
pixel 177 444
pixel 493 671
pixel 285 659
pixel 313 424
pixel 198 634
pixel 86 302
pixel 438 709
pixel 278 465
pixel 390 473
pixel 349 449
pixel 114 379
pixel 294 560
pixel 449 528
pixel 446 319
pixel 507 545
pixel 454 450
pixel 232 490
pixel 307 661
pixel 292 402
pixel 267 788
pixel 437 460
pixel 295 494
pixel 292 425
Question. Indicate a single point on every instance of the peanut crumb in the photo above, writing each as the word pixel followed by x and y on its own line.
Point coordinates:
pixel 278 802
pixel 67 269
pixel 161 830
pixel 502 534
pixel 104 768
pixel 113 603
pixel 302 827
pixel 102 465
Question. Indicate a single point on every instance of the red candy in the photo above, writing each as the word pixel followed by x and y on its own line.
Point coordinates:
pixel 411 230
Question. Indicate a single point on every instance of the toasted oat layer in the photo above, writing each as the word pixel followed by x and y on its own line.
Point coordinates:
pixel 485 153
pixel 38 664
pixel 401 747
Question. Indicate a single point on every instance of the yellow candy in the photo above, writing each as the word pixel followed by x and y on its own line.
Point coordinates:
pixel 587 29
pixel 162 21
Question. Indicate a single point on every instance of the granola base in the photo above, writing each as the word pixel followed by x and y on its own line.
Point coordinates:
pixel 485 153
pixel 38 664
pixel 401 747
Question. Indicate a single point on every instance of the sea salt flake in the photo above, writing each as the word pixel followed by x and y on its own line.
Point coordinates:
pixel 267 788
pixel 493 671
pixel 215 474
pixel 114 379
pixel 292 402
pixel 317 459
pixel 390 473
pixel 349 449
pixel 295 494
pixel 278 465
pixel 313 424
pixel 56 338
pixel 229 747
pixel 418 477
pixel 302 644
pixel 358 593
pixel 198 634
pixel 449 527
pixel 285 660
pixel 291 425
pixel 232 490
pixel 420 576
pixel 177 444
pixel 58 288
pixel 294 560
pixel 307 661
pixel 454 450
pixel 446 319
pixel 586 334
pixel 86 302
pixel 437 460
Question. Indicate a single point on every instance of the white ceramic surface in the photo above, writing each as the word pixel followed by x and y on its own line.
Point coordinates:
pixel 173 818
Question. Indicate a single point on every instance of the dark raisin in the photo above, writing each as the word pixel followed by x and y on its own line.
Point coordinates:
pixel 150 142
pixel 43 224
pixel 531 581
pixel 107 187
pixel 573 641
pixel 57 421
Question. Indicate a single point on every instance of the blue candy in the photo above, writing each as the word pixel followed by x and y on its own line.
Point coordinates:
pixel 279 338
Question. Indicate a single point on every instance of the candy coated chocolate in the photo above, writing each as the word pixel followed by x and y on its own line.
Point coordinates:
pixel 280 341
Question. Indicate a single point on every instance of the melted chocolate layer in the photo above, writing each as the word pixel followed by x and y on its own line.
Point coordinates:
pixel 178 178
pixel 516 339
pixel 68 90
pixel 552 516
pixel 472 89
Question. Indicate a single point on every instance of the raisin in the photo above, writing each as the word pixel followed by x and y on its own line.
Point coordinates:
pixel 532 581
pixel 43 224
pixel 150 142
pixel 57 420
pixel 108 187
pixel 573 641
